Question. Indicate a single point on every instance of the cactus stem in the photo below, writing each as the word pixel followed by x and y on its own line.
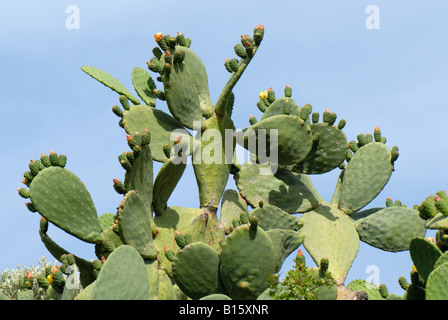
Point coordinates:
pixel 221 104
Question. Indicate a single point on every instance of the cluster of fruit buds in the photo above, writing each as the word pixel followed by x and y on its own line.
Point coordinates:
pixel 167 49
pixel 434 204
pixel 97 265
pixel 67 260
pixel 391 203
pixel 35 166
pixel 27 281
pixel 136 142
pixel 245 49
pixel 55 278
pixel 182 239
pixel 119 186
pixel 167 42
pixel 267 97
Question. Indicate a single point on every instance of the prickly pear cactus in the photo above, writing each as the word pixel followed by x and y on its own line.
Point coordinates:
pixel 234 250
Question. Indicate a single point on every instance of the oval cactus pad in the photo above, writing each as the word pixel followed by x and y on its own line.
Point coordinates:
pixel 247 262
pixel 289 191
pixel 365 176
pixel 61 198
pixel 196 270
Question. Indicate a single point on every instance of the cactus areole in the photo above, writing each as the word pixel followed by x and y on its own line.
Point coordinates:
pixel 234 242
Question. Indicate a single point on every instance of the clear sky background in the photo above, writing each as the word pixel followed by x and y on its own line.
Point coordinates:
pixel 395 77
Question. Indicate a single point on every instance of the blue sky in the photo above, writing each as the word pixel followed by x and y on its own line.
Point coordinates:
pixel 394 77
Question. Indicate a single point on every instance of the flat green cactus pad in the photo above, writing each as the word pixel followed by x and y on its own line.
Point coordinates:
pixel 166 288
pixel 109 81
pixel 365 176
pixel 246 262
pixel 144 86
pixel 272 217
pixel 165 183
pixel 276 108
pixel 437 284
pixel 390 229
pixel 112 285
pixel 285 242
pixel 211 168
pixel 140 176
pixel 439 222
pixel 441 260
pixel 61 198
pixel 289 191
pixel 330 233
pixel 186 88
pixel 424 255
pixel 135 224
pixel 160 125
pixel 174 219
pixel 106 220
pixel 196 270
pixel 289 135
pixel 232 204
pixel 152 269
pixel 327 153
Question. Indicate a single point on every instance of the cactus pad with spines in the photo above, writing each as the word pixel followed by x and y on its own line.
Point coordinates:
pixel 61 197
pixel 109 81
pixel 247 262
pixel 232 204
pixel 292 135
pixel 390 229
pixel 272 217
pixel 161 125
pixel 144 86
pixel 328 151
pixel 329 233
pixel 365 176
pixel 112 285
pixel 285 242
pixel 276 108
pixel 287 190
pixel 165 183
pixel 424 255
pixel 437 283
pixel 196 270
pixel 186 88
pixel 140 176
pixel 135 224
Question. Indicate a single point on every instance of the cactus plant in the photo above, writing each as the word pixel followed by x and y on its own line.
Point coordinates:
pixel 204 252
pixel 429 273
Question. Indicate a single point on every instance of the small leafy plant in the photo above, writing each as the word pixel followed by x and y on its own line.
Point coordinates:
pixel 304 283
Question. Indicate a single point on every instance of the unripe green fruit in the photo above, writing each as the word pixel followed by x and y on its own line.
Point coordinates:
pixel 240 51
pixel 288 91
pixel 383 291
